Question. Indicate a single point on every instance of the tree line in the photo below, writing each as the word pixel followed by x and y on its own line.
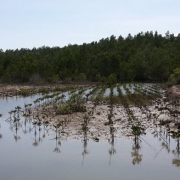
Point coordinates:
pixel 144 57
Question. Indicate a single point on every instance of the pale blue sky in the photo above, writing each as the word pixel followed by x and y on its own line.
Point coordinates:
pixel 34 23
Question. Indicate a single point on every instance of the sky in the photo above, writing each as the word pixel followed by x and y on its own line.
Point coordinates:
pixel 37 23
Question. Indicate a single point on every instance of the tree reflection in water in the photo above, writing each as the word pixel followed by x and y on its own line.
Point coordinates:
pixel 20 120
pixel 137 157
pixel 35 143
pixel 0 127
pixel 15 123
pixel 57 149
pixel 85 151
pixel 136 131
pixel 86 120
pixel 59 128
pixel 24 125
pixel 176 152
pixel 37 126
pixel 112 151
pixel 162 135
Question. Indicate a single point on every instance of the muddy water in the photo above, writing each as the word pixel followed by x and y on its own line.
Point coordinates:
pixel 33 153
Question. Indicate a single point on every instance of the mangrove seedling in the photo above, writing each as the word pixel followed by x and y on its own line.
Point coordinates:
pixel 136 131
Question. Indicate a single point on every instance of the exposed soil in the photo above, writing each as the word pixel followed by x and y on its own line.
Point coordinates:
pixel 174 92
pixel 150 117
pixel 13 90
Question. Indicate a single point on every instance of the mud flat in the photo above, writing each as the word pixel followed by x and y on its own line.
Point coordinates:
pixel 104 120
pixel 147 119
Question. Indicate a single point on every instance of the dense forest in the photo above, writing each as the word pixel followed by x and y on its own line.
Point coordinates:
pixel 146 57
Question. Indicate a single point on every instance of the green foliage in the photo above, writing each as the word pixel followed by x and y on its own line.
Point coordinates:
pixel 81 77
pixel 63 109
pixel 147 56
pixel 70 108
pixel 100 78
pixel 174 77
pixel 175 135
pixel 24 92
pixel 112 79
pixel 35 79
pixel 74 104
pixel 53 79
pixel 136 130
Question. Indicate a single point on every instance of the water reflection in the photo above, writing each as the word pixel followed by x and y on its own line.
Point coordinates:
pixel 137 131
pixel 57 148
pixel 112 150
pixel 58 128
pixel 33 128
pixel 21 120
pixel 164 139
pixel 40 131
pixel 85 151
pixel 15 123
pixel 176 152
pixel 35 143
pixel 0 127
pixel 85 128
pixel 137 157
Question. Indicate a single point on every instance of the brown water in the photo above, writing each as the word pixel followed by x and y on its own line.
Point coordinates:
pixel 31 153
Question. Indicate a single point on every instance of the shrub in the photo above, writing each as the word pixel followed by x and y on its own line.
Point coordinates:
pixel 174 77
pixel 70 108
pixel 24 92
pixel 112 79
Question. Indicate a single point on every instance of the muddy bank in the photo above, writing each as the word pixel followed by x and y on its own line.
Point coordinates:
pixel 148 118
pixel 95 122
pixel 173 92
pixel 14 90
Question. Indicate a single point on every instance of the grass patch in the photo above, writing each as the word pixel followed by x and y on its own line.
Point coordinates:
pixel 24 92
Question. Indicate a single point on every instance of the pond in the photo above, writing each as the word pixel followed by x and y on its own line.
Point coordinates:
pixel 31 152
